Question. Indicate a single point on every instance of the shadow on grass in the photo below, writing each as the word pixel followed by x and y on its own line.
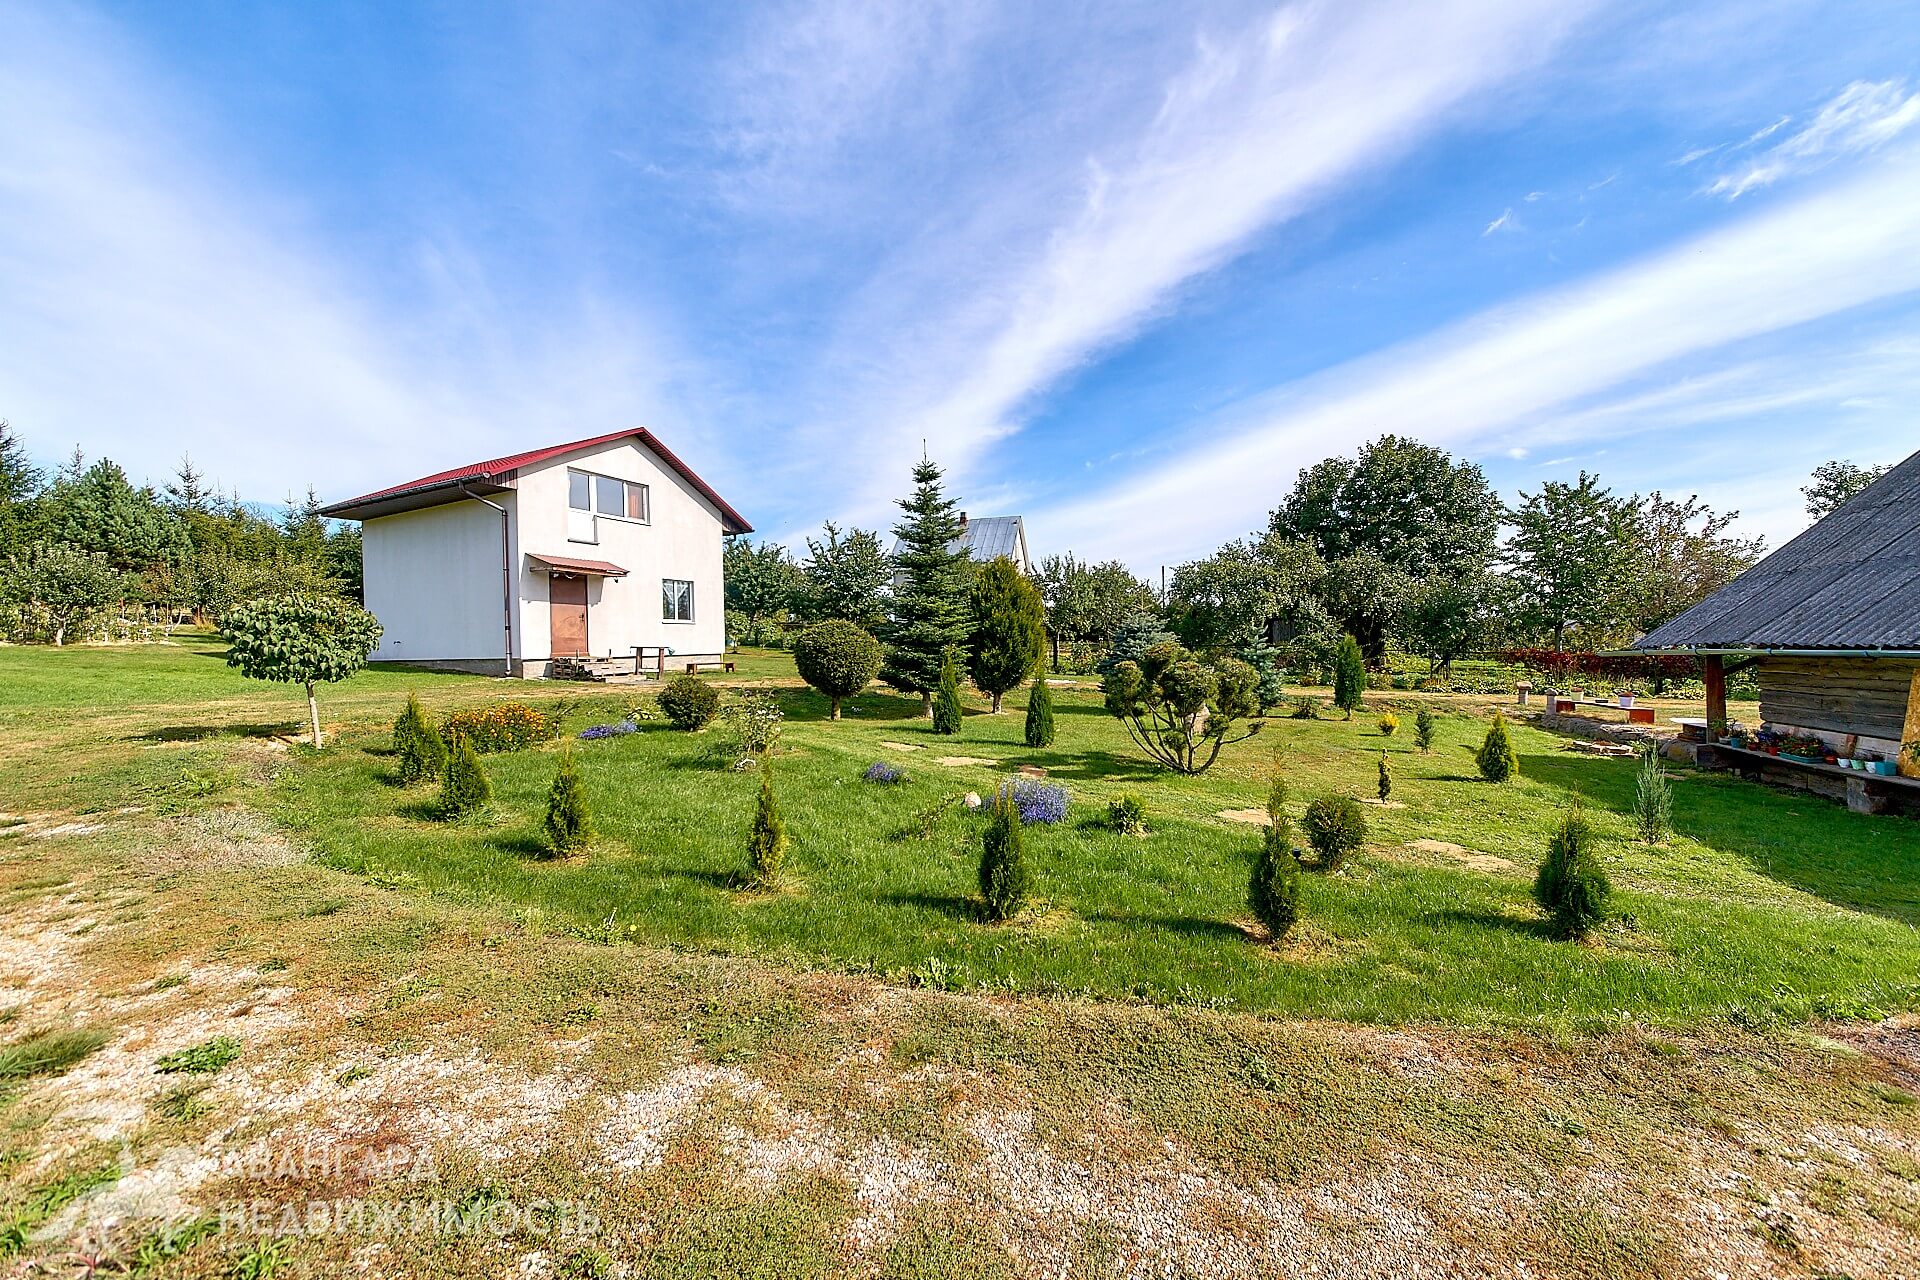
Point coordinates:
pixel 948 904
pixel 872 707
pixel 201 732
pixel 1188 926
pixel 1541 929
pixel 1097 765
pixel 526 844
pixel 714 879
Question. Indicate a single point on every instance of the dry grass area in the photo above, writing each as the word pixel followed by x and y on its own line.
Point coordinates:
pixel 570 1108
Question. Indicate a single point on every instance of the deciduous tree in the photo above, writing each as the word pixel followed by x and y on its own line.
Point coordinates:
pixel 301 639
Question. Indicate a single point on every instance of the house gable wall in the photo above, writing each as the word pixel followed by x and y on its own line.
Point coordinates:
pixel 433 580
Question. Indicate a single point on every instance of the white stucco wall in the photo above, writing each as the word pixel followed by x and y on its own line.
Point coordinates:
pixel 433 580
pixel 683 539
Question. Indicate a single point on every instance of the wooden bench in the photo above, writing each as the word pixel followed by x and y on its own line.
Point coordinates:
pixel 695 668
pixel 1558 705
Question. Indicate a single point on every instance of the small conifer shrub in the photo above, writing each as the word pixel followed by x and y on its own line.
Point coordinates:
pixel 421 750
pixel 1003 860
pixel 947 710
pixel 1349 676
pixel 464 787
pixel 1424 724
pixel 1040 714
pixel 689 702
pixel 1127 814
pixel 568 824
pixel 1335 827
pixel 767 839
pixel 1652 797
pixel 1273 890
pixel 1306 708
pixel 1497 760
pixel 1386 779
pixel 1389 723
pixel 1571 888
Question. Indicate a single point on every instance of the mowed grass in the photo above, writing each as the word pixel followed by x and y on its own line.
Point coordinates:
pixel 1765 906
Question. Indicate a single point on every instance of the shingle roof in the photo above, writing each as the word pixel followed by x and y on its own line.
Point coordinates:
pixel 1852 581
pixel 987 537
pixel 496 469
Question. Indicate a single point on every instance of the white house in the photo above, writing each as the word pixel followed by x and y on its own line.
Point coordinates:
pixel 594 549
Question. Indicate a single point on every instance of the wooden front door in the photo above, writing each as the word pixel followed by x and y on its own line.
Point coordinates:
pixel 567 598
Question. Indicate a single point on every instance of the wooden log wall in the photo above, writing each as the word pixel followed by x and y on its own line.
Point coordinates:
pixel 1866 696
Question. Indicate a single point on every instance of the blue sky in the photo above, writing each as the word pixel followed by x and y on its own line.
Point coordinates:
pixel 1124 267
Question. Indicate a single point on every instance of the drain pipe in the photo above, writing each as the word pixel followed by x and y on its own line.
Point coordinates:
pixel 506 572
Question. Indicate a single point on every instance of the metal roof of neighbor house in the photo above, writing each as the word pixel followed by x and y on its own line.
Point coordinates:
pixel 586 568
pixel 498 473
pixel 1852 581
pixel 988 537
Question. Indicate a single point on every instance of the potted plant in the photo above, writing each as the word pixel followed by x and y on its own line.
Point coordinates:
pixel 1626 698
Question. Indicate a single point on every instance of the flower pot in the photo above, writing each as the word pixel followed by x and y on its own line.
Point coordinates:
pixel 1626 700
pixel 1885 768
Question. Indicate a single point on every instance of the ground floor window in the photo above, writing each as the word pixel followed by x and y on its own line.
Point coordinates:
pixel 676 599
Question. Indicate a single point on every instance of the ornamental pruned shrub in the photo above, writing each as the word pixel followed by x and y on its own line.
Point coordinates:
pixel 1386 779
pixel 689 702
pixel 837 658
pixel 1652 797
pixel 1497 760
pixel 1424 724
pixel 1003 860
pixel 568 824
pixel 464 788
pixel 1571 888
pixel 1336 827
pixel 418 746
pixel 300 639
pixel 948 711
pixel 1182 711
pixel 1389 724
pixel 767 839
pixel 1039 728
pixel 1008 636
pixel 1349 676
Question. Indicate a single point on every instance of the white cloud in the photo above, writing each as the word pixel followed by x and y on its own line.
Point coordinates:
pixel 1260 126
pixel 1863 117
pixel 1508 367
pixel 1505 222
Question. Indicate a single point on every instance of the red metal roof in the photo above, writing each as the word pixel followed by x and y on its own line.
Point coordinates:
pixel 591 568
pixel 504 468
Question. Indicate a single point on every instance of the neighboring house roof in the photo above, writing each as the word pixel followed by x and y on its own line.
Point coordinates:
pixel 988 537
pixel 1852 581
pixel 497 474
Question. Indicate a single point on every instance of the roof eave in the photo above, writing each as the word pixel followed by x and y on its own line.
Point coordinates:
pixel 418 498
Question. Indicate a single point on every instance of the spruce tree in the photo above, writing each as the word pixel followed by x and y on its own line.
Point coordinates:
pixel 464 789
pixel 1040 714
pixel 947 708
pixel 1009 634
pixel 929 614
pixel 568 824
pixel 1652 797
pixel 767 840
pixel 1497 760
pixel 1003 861
pixel 1349 676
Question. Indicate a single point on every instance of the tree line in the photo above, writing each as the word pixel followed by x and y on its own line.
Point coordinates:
pixel 85 550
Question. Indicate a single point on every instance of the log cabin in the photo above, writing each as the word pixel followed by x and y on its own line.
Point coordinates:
pixel 1830 626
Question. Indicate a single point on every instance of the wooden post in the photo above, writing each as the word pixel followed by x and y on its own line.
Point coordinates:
pixel 1909 766
pixel 1714 669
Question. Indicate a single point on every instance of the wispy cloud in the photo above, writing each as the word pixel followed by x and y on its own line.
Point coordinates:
pixel 1505 222
pixel 1851 244
pixel 160 302
pixel 1262 124
pixel 1863 117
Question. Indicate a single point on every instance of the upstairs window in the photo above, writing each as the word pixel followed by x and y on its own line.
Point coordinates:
pixel 606 496
pixel 676 599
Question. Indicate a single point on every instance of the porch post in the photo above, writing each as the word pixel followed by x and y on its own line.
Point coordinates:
pixel 1714 671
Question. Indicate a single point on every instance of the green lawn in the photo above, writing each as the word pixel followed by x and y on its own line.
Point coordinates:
pixel 1766 906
